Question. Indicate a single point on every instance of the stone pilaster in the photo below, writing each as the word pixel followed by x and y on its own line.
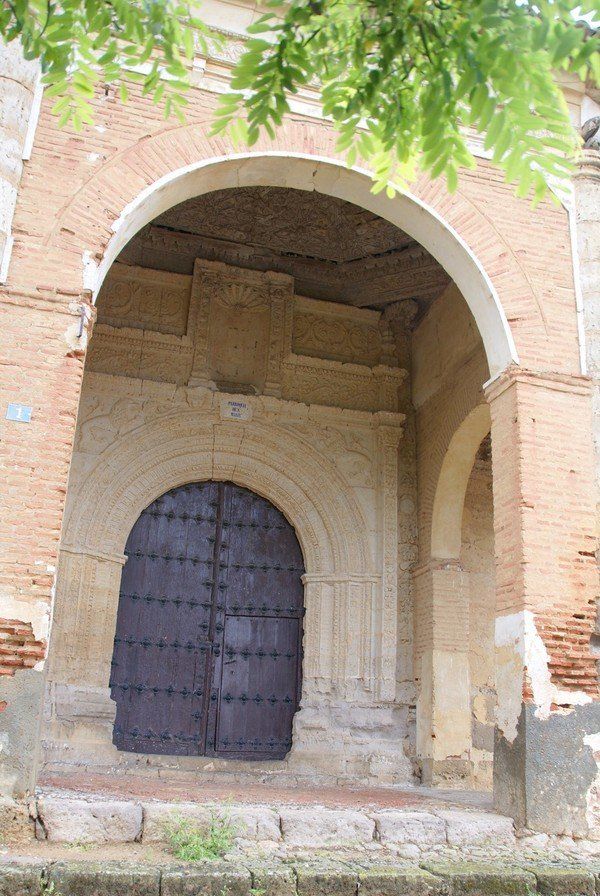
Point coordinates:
pixel 442 670
pixel 546 587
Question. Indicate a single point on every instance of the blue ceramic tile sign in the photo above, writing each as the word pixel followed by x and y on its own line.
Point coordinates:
pixel 20 413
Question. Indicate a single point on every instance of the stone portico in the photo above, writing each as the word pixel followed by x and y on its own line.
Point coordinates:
pixel 404 379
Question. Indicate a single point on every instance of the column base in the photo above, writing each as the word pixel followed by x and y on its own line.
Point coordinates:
pixel 548 777
pixel 455 774
pixel 343 740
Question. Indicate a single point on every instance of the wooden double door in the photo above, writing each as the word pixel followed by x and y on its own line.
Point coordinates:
pixel 207 655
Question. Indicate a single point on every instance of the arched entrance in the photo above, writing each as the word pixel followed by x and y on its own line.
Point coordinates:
pixel 330 177
pixel 207 653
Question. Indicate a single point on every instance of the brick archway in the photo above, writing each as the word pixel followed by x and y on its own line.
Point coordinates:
pixel 482 218
pixel 299 171
pixel 452 483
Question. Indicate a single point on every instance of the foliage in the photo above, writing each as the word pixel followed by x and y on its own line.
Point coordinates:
pixel 48 889
pixel 192 843
pixel 403 79
pixel 86 43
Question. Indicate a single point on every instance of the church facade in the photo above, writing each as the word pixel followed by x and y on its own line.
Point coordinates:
pixel 298 480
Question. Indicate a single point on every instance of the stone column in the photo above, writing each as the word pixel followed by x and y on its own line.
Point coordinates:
pixel 547 582
pixel 388 439
pixel 442 668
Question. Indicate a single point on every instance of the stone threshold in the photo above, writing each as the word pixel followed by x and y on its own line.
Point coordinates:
pixel 415 832
pixel 84 818
pixel 317 878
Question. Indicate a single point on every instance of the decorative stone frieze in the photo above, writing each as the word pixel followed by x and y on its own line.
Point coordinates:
pixel 243 330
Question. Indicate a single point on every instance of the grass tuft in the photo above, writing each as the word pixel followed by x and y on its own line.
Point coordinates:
pixel 191 842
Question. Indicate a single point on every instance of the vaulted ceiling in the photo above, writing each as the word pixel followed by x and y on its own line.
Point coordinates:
pixel 335 250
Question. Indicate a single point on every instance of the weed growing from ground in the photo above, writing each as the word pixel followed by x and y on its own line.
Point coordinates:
pixel 191 842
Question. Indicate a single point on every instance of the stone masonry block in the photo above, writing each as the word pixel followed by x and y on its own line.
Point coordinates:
pixel 21 880
pixel 159 816
pixel 471 879
pixel 104 879
pixel 565 882
pixel 419 828
pixel 471 828
pixel 279 881
pixel 210 879
pixel 80 821
pixel 254 822
pixel 326 882
pixel 390 881
pixel 247 822
pixel 325 827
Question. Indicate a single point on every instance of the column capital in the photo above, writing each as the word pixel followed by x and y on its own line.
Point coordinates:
pixel 577 384
pixel 589 164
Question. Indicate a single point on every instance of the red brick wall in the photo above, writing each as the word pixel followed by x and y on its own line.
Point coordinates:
pixel 544 507
pixel 75 187
pixel 19 648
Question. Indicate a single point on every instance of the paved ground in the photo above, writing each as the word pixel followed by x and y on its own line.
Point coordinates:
pixel 132 786
pixel 321 878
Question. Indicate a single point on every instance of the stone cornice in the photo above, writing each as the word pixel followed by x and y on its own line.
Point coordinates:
pixel 575 384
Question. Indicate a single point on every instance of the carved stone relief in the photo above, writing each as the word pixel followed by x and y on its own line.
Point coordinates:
pixel 145 299
pixel 145 322
pixel 245 331
pixel 325 453
pixel 333 249
pixel 239 329
pixel 338 336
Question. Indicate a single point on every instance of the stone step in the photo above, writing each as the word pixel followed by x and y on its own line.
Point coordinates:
pixel 317 878
pixel 67 817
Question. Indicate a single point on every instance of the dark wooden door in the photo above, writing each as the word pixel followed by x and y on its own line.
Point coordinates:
pixel 207 655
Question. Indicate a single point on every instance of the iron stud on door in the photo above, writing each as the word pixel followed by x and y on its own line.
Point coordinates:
pixel 207 653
